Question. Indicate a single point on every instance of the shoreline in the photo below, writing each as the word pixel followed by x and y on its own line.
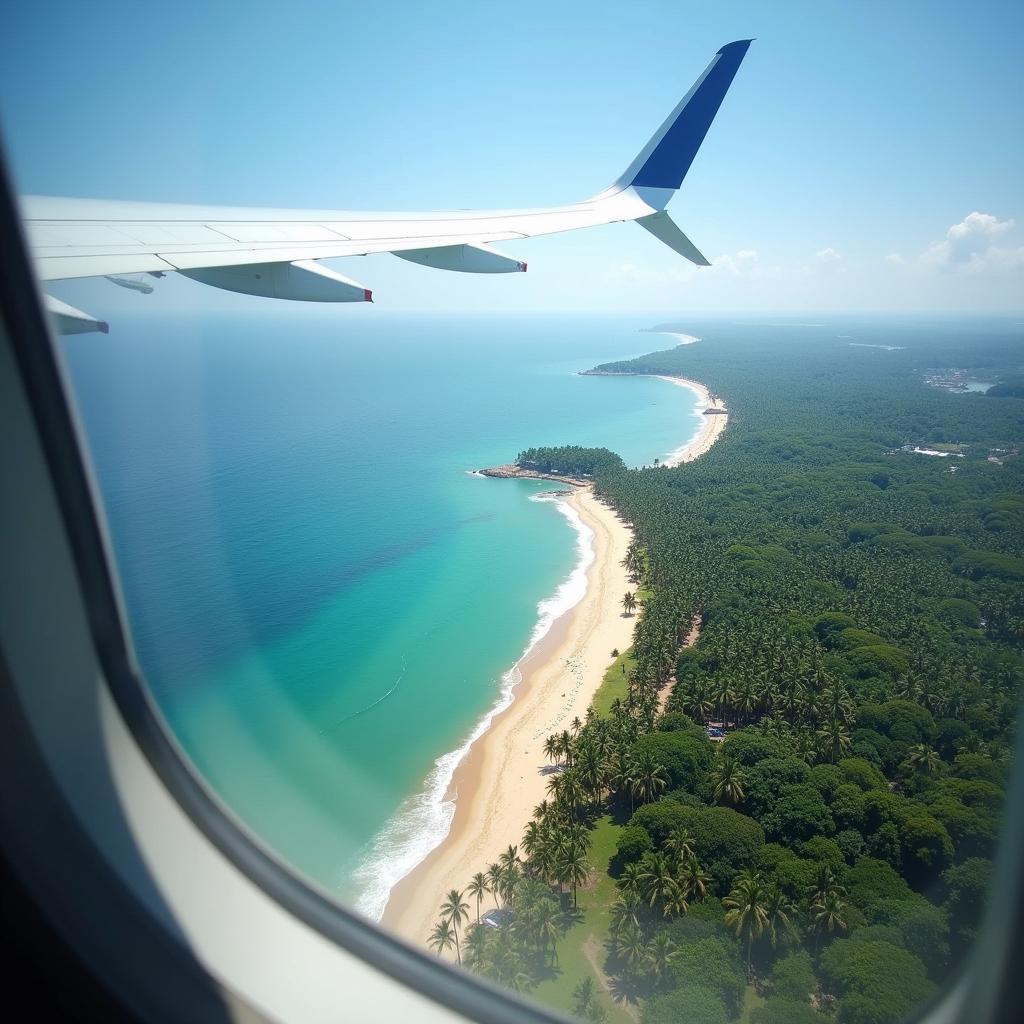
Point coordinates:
pixel 504 774
pixel 683 339
pixel 711 429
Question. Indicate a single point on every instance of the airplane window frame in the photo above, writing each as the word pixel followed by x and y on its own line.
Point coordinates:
pixel 465 993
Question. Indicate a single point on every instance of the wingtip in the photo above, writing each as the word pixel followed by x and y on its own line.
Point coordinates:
pixel 736 45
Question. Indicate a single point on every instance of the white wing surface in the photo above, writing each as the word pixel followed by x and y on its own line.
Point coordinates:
pixel 274 252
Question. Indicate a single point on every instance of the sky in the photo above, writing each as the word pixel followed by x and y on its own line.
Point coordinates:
pixel 868 157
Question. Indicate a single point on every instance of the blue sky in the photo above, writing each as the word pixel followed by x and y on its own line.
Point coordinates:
pixel 868 156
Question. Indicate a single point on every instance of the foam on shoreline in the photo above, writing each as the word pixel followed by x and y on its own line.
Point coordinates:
pixel 683 339
pixel 423 821
pixel 709 428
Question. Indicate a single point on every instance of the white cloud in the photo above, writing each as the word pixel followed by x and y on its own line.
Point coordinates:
pixel 1005 259
pixel 895 258
pixel 828 255
pixel 969 246
pixel 743 261
pixel 979 224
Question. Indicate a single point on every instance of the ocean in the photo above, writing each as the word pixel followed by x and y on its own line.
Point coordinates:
pixel 324 600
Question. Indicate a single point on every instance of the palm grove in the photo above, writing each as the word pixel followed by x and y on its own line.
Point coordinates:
pixel 862 616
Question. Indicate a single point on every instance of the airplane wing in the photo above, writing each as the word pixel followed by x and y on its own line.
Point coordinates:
pixel 274 253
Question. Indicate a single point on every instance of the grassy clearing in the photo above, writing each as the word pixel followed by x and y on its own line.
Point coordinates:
pixel 615 684
pixel 751 1001
pixel 590 931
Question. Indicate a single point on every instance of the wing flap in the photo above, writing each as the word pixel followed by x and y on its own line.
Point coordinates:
pixel 64 268
pixel 303 280
pixel 465 259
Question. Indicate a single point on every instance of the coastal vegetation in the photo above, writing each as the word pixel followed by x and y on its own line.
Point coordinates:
pixel 570 460
pixel 861 618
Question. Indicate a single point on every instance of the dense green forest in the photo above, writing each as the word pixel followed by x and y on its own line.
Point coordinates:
pixel 570 460
pixel 862 615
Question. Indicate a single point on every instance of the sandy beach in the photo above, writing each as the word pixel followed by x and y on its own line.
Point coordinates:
pixel 503 778
pixel 711 430
pixel 505 773
pixel 683 339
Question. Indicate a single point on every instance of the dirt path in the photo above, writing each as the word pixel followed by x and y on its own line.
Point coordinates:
pixel 592 951
pixel 691 638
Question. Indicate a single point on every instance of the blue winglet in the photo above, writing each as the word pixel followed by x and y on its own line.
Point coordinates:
pixel 670 159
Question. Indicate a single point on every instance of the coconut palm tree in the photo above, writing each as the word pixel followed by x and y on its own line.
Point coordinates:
pixel 922 758
pixel 657 879
pixel 455 912
pixel 675 904
pixel 478 947
pixel 724 695
pixel 578 836
pixel 680 845
pixel 509 860
pixel 629 946
pixel 494 878
pixel 552 748
pixel 727 778
pixel 572 867
pixel 777 910
pixel 543 810
pixel 544 860
pixel 694 880
pixel 828 915
pixel 746 699
pixel 534 836
pixel 547 926
pixel 570 793
pixel 629 602
pixel 825 883
pixel 507 967
pixel 658 956
pixel 617 771
pixel 625 912
pixel 834 739
pixel 746 913
pixel 479 888
pixel 647 777
pixel 630 883
pixel 633 560
pixel 442 938
pixel 510 875
pixel 590 766
pixel 697 700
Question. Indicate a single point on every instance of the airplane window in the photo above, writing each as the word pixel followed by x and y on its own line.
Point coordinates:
pixel 641 633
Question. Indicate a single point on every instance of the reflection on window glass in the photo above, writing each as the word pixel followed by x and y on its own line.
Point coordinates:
pixel 665 687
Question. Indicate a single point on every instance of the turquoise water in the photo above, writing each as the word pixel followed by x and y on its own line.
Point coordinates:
pixel 323 599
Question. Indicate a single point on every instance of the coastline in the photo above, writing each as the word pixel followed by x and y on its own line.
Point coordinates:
pixel 711 430
pixel 502 774
pixel 502 777
pixel 683 339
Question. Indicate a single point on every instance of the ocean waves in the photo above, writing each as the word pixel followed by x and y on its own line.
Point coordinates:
pixel 423 821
